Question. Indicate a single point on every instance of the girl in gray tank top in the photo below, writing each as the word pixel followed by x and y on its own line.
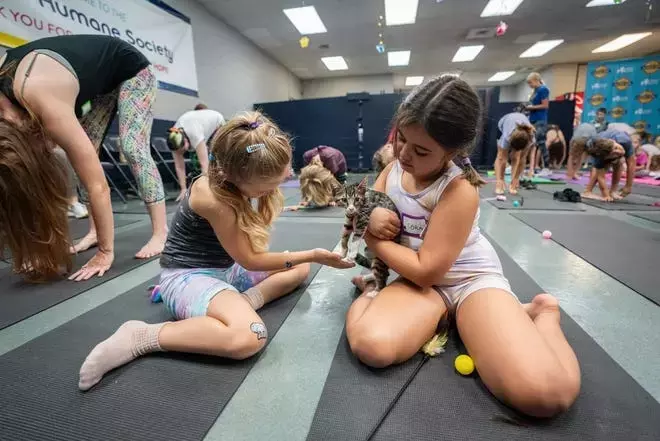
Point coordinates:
pixel 216 272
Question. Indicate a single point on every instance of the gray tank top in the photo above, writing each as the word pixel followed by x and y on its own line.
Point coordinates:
pixel 192 243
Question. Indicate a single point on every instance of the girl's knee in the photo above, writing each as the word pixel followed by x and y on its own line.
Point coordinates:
pixel 247 341
pixel 302 271
pixel 372 346
pixel 544 396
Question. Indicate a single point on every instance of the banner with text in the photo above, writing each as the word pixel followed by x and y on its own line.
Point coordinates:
pixel 161 33
pixel 628 89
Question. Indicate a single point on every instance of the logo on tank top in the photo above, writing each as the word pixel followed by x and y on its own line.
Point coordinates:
pixel 413 226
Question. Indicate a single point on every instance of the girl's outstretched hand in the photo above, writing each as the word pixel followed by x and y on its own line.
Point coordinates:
pixel 335 260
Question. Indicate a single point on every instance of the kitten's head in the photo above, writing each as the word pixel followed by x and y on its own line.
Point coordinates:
pixel 354 197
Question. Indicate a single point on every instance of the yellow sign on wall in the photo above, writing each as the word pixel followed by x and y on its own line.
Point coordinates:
pixel 10 40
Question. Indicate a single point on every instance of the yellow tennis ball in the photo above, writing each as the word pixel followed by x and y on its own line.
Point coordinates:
pixel 464 364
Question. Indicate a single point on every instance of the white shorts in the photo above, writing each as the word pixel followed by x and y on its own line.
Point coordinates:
pixel 478 267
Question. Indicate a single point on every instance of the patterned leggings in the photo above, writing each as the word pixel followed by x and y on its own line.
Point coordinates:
pixel 134 98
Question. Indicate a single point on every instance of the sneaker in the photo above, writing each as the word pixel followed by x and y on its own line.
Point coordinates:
pixel 545 172
pixel 78 210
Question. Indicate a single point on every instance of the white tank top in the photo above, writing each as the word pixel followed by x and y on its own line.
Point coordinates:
pixel 416 209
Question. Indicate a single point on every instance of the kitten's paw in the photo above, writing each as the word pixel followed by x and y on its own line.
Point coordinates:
pixel 373 293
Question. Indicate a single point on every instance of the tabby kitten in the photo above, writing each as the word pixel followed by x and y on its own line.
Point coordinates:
pixel 360 201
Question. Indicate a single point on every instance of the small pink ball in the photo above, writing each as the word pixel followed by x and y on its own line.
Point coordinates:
pixel 547 234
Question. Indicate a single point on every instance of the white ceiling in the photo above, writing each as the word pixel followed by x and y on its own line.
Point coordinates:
pixel 440 29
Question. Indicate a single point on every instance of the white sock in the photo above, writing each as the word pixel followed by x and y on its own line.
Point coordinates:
pixel 131 340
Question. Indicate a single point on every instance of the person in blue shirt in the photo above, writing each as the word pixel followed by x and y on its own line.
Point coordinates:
pixel 538 116
pixel 607 148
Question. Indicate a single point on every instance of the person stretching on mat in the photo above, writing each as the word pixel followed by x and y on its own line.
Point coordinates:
pixel 192 130
pixel 518 134
pixel 216 273
pixel 577 151
pixel 328 157
pixel 607 149
pixel 319 188
pixel 65 91
pixel 447 267
pixel 556 145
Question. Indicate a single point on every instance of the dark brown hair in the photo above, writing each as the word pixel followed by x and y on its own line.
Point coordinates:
pixel 450 111
pixel 33 202
pixel 602 149
pixel 201 106
pixel 521 137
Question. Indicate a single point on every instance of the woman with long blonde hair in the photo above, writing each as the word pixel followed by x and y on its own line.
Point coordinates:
pixel 216 270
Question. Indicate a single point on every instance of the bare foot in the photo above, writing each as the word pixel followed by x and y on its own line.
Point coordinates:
pixel 590 195
pixel 361 285
pixel 542 304
pixel 513 190
pixel 153 248
pixel 617 196
pixel 84 244
pixel 499 187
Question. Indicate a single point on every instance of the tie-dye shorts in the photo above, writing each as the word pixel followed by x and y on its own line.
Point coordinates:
pixel 187 292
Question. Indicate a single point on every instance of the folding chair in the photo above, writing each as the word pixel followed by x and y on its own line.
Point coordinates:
pixel 110 146
pixel 159 146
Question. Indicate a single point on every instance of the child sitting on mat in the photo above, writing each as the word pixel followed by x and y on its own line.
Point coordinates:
pixel 607 149
pixel 447 266
pixel 642 160
pixel 216 272
pixel 319 188
pixel 576 153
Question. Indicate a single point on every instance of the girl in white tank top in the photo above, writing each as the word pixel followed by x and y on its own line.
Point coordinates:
pixel 446 266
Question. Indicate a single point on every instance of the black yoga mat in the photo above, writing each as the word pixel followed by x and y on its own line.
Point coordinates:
pixel 78 228
pixel 653 217
pixel 528 200
pixel 160 397
pixel 628 253
pixel 440 404
pixel 647 190
pixel 21 300
pixel 137 207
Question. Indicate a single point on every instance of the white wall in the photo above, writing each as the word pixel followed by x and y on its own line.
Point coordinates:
pixel 232 73
pixel 331 87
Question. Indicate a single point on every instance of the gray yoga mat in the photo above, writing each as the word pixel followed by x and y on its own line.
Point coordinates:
pixel 440 404
pixel 21 300
pixel 334 212
pixel 633 202
pixel 160 397
pixel 531 200
pixel 647 190
pixel 653 217
pixel 627 253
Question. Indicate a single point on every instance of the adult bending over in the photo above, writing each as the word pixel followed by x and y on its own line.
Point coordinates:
pixel 64 91
pixel 519 350
pixel 518 134
pixel 607 149
pixel 328 157
pixel 577 151
pixel 216 273
pixel 193 129
pixel 556 145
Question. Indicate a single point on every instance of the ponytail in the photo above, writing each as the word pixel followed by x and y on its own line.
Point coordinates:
pixel 469 172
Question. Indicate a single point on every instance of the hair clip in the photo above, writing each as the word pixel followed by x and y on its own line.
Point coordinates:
pixel 252 125
pixel 211 157
pixel 254 147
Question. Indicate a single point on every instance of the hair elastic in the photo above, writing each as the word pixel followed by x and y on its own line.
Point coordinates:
pixel 254 147
pixel 251 126
pixel 465 162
